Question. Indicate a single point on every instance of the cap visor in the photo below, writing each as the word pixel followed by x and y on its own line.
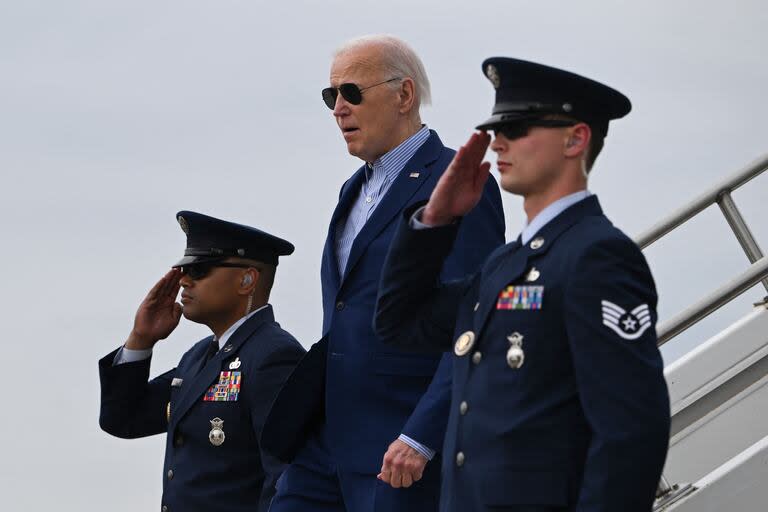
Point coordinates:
pixel 498 119
pixel 190 260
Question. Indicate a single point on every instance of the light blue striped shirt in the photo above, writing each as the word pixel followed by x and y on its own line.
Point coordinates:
pixel 379 176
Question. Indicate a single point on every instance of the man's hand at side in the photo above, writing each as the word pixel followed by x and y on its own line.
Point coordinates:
pixel 402 465
pixel 158 315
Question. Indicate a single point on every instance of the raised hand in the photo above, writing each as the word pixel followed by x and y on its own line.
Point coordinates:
pixel 402 465
pixel 158 315
pixel 461 185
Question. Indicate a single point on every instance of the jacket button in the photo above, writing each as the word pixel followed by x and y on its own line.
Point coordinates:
pixel 178 440
pixel 463 408
pixel 339 305
pixel 170 474
pixel 460 459
pixel 477 357
pixel 164 509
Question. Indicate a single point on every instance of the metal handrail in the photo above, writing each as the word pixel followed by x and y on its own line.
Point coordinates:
pixel 680 322
pixel 720 194
pixel 702 202
pixel 757 271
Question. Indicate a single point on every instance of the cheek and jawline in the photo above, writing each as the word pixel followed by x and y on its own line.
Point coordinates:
pixel 212 296
pixel 377 124
pixel 542 166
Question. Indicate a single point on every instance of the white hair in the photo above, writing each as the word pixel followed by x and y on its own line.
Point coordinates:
pixel 398 60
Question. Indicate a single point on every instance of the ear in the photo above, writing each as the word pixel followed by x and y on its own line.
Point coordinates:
pixel 249 281
pixel 407 95
pixel 577 140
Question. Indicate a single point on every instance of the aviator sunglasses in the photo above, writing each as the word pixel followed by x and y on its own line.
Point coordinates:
pixel 196 271
pixel 350 92
pixel 519 129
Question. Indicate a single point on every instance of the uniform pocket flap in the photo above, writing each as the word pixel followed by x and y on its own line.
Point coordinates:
pixel 396 364
pixel 534 487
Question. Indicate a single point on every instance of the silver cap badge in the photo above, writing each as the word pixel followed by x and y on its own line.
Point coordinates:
pixel 183 224
pixel 493 75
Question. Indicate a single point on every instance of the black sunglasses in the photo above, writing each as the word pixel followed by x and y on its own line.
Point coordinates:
pixel 196 271
pixel 519 129
pixel 350 92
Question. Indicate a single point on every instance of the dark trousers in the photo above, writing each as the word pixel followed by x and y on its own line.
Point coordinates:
pixel 314 483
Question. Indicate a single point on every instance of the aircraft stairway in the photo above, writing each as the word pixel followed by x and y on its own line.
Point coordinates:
pixel 718 455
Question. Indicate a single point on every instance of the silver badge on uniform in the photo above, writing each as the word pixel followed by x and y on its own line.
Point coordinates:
pixel 216 436
pixel 630 325
pixel 234 365
pixel 532 275
pixel 515 354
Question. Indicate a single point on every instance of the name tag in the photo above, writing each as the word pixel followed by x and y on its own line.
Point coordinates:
pixel 226 389
pixel 521 297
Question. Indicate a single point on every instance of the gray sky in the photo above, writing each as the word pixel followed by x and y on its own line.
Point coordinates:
pixel 113 116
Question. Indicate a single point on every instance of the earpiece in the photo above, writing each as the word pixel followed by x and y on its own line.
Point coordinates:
pixel 247 280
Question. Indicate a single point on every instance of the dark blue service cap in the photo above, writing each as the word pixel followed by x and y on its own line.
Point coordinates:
pixel 526 90
pixel 211 239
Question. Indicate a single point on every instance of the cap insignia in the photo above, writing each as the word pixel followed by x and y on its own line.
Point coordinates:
pixel 493 75
pixel 183 224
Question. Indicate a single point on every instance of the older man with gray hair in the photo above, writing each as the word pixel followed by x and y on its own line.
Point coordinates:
pixel 356 409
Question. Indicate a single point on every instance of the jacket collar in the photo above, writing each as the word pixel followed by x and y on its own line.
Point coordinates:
pixel 209 373
pixel 513 261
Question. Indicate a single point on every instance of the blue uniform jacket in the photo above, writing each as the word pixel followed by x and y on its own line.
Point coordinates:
pixel 583 424
pixel 198 476
pixel 361 393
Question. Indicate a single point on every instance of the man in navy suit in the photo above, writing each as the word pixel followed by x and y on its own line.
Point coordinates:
pixel 213 404
pixel 355 408
pixel 559 400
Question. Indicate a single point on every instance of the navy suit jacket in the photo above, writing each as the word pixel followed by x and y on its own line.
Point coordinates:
pixel 583 424
pixel 359 392
pixel 233 476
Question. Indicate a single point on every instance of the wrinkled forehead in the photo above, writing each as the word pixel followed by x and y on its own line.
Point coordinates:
pixel 358 65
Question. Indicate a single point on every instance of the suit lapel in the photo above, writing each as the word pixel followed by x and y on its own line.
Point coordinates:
pixel 348 194
pixel 516 260
pixel 412 177
pixel 208 375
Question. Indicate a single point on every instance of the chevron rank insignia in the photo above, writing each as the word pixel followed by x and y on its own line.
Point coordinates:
pixel 630 325
pixel 226 389
pixel 521 297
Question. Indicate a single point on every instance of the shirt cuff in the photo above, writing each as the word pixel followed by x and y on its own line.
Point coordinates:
pixel 424 450
pixel 127 355
pixel 416 224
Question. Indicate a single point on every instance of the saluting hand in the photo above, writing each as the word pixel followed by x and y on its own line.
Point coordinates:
pixel 402 465
pixel 158 314
pixel 461 185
